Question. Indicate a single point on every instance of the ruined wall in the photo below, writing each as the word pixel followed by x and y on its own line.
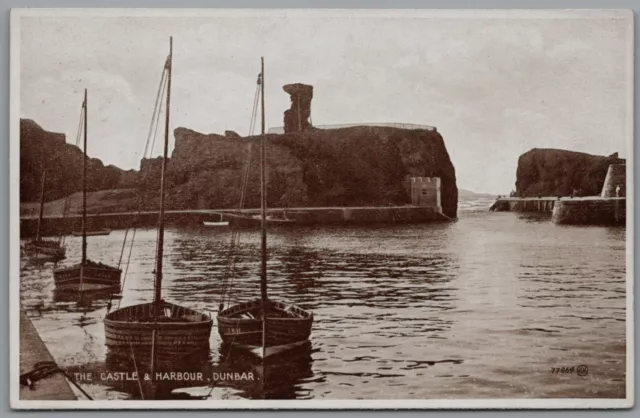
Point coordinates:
pixel 296 119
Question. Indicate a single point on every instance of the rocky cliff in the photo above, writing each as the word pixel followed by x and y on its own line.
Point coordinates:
pixel 42 150
pixel 354 166
pixel 554 172
pixel 357 166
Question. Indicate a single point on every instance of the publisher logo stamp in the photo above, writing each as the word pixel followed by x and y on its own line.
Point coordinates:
pixel 582 370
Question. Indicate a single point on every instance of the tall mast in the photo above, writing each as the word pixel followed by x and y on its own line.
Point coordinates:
pixel 159 255
pixel 263 220
pixel 84 184
pixel 44 174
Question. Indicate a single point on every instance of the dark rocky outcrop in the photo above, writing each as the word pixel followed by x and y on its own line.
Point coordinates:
pixel 41 150
pixel 554 172
pixel 296 118
pixel 306 167
pixel 357 166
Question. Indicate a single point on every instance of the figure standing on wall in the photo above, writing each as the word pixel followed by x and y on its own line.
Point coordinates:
pixel 618 190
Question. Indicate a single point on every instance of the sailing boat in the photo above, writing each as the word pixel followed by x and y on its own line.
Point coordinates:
pixel 264 327
pixel 160 326
pixel 86 276
pixel 41 249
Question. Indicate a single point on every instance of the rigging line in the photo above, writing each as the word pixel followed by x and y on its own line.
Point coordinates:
pixel 124 244
pixel 126 271
pixel 154 120
pixel 155 133
pixel 230 270
pixel 228 276
pixel 66 205
pixel 144 155
pixel 254 110
pixel 245 178
pixel 156 109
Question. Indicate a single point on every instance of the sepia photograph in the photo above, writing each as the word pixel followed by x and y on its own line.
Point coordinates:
pixel 320 209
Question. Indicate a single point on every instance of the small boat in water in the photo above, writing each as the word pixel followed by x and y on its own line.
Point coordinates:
pixel 218 223
pixel 256 220
pixel 86 276
pixel 159 327
pixel 287 327
pixel 39 248
pixel 264 327
pixel 44 250
pixel 92 233
pixel 173 328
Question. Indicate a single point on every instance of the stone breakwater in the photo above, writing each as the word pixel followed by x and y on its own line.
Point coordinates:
pixel 607 208
pixel 52 226
pixel 515 204
pixel 591 211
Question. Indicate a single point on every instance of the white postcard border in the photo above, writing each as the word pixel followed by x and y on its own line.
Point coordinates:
pixel 523 403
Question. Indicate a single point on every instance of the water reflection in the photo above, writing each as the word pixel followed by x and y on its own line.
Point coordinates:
pixel 84 301
pixel 281 377
pixel 476 308
pixel 137 373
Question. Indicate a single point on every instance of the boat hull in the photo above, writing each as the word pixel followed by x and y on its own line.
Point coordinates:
pixel 218 223
pixel 92 233
pixel 45 250
pixel 87 277
pixel 178 329
pixel 255 221
pixel 288 326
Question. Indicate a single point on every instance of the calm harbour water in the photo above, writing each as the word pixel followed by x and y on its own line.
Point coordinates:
pixel 480 308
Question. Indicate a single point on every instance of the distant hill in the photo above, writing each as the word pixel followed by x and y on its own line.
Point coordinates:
pixel 468 194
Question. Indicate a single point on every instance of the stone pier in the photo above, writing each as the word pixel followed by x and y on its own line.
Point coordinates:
pixel 32 352
pixel 524 204
pixel 610 208
pixel 591 211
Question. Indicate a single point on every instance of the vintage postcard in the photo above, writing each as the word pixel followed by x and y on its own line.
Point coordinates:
pixel 321 209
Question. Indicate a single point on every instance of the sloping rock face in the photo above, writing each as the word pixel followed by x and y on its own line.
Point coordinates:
pixel 357 166
pixel 42 150
pixel 554 172
pixel 296 119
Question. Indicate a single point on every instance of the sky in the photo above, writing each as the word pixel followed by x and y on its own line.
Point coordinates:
pixel 495 86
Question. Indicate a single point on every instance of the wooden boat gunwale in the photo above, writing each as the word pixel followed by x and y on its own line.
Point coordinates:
pixel 113 318
pixel 90 265
pixel 245 306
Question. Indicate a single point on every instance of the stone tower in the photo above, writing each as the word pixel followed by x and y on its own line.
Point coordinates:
pixel 426 191
pixel 616 176
pixel 296 118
